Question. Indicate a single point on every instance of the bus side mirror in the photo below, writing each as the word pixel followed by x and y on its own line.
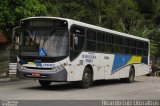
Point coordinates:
pixel 14 35
pixel 76 40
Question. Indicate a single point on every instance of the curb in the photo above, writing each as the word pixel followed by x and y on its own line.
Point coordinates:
pixel 4 80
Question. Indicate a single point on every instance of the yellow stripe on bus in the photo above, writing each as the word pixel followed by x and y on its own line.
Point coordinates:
pixel 135 59
pixel 30 62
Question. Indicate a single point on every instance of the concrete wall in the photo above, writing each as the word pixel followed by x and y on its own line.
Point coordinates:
pixel 4 63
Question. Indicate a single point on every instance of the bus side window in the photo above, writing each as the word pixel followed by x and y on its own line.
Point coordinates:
pixel 79 45
pixel 91 40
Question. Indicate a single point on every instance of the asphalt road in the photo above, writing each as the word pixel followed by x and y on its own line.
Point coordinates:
pixel 144 88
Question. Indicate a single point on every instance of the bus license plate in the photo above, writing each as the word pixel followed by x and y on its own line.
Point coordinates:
pixel 36 74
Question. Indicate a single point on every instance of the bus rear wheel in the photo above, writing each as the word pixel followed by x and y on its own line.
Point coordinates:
pixel 44 83
pixel 131 76
pixel 87 79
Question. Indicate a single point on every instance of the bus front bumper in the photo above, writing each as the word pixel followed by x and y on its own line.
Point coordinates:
pixel 37 75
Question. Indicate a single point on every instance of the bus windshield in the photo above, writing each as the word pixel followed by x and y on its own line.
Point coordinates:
pixel 44 43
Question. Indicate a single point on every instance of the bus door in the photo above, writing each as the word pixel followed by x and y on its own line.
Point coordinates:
pixel 76 47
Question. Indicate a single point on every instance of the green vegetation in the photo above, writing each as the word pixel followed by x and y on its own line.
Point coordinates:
pixel 136 17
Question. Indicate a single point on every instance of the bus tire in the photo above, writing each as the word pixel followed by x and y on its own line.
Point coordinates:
pixel 44 83
pixel 131 76
pixel 86 79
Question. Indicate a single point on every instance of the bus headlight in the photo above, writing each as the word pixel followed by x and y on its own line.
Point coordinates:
pixel 57 68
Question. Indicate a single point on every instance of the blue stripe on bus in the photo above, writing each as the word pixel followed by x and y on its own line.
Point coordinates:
pixel 119 61
pixel 122 60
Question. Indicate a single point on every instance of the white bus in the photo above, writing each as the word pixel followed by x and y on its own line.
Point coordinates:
pixel 53 49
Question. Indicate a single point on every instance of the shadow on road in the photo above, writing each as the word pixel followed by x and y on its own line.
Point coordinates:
pixel 111 82
pixel 74 85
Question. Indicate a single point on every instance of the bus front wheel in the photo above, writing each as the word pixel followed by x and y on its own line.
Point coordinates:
pixel 87 79
pixel 44 83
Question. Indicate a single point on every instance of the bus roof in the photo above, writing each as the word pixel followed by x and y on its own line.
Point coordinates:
pixel 91 26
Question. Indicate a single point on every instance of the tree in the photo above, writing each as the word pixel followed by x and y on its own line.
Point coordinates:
pixel 150 11
pixel 136 17
pixel 6 17
pixel 12 11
